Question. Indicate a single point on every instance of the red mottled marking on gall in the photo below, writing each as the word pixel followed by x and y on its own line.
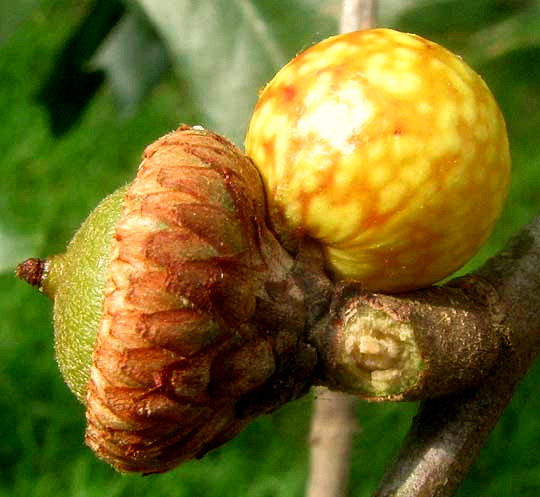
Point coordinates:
pixel 389 150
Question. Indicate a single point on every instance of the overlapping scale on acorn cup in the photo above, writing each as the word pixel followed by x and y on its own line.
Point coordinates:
pixel 155 302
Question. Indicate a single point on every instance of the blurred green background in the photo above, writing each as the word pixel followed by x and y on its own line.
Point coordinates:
pixel 84 86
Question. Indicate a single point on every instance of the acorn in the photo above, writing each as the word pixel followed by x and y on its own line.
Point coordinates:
pixel 387 149
pixel 177 317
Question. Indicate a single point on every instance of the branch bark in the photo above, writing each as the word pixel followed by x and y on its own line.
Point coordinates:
pixel 410 346
pixel 448 433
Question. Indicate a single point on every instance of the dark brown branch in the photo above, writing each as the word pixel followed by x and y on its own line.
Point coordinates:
pixel 411 346
pixel 448 433
pixel 515 273
pixel 446 437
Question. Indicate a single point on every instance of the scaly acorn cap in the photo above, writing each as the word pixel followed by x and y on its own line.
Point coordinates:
pixel 182 361
pixel 178 316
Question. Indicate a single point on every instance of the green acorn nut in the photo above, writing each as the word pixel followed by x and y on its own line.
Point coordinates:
pixel 77 289
pixel 156 301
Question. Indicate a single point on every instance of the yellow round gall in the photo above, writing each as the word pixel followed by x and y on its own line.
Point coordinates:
pixel 389 150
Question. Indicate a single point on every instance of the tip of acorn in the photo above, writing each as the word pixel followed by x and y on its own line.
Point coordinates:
pixel 32 270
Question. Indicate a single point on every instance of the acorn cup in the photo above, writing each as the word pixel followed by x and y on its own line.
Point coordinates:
pixel 156 302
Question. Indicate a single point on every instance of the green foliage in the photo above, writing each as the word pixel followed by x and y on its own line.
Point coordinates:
pixel 225 50
pixel 220 52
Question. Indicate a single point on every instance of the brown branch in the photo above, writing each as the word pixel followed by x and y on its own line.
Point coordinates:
pixel 410 346
pixel 448 433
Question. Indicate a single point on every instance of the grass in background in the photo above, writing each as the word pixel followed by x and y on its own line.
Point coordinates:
pixel 48 186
